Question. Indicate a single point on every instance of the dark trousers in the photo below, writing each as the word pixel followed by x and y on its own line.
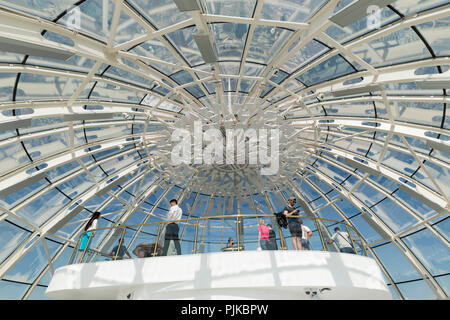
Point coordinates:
pixel 166 246
pixel 265 244
pixel 171 234
pixel 347 250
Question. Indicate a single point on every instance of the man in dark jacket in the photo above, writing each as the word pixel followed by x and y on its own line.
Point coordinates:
pixel 272 238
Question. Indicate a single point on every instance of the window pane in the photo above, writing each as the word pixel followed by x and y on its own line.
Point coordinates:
pixel 430 251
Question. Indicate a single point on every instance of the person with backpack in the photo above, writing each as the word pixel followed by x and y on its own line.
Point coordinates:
pixel 342 240
pixel 119 251
pixel 294 223
pixel 272 238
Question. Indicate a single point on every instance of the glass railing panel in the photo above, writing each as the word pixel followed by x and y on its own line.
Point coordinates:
pixel 210 234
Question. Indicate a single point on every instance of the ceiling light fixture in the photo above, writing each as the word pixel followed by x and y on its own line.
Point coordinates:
pixel 205 46
pixel 32 49
pixel 187 5
pixel 356 10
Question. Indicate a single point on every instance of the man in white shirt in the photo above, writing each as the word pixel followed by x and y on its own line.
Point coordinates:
pixel 175 213
pixel 306 234
pixel 342 240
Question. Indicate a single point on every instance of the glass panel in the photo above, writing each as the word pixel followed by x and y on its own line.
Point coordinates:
pixel 366 231
pixel 11 57
pixel 416 290
pixel 443 228
pixel 161 13
pixel 38 293
pixel 444 282
pixel 409 7
pixel 95 18
pixel 395 217
pixel 40 87
pixel 307 53
pixel 395 262
pixel 415 205
pixel 115 93
pixel 7 86
pixel 42 147
pixel 368 195
pixel 266 43
pixel 290 10
pixel 418 112
pixel 129 77
pixel 236 8
pixel 436 34
pixel 361 109
pixel 155 49
pixel 75 63
pixel 360 27
pixel 230 40
pixel 44 208
pixel 334 67
pixel 47 9
pixel 184 42
pixel 127 29
pixel 430 251
pixel 11 290
pixel 11 237
pixel 397 47
pixel 12 156
pixel 32 264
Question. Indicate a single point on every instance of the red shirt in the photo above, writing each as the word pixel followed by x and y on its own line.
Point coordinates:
pixel 264 230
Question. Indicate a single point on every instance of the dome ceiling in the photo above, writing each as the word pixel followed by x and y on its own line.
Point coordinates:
pixel 92 91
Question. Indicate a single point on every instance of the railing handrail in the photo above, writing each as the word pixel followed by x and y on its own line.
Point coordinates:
pixel 215 217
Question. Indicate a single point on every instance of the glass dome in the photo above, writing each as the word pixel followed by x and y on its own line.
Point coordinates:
pixel 91 91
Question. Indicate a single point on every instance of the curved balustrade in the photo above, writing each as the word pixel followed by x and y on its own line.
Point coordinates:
pixel 205 235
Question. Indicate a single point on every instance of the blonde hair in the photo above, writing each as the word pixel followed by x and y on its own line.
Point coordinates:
pixel 262 221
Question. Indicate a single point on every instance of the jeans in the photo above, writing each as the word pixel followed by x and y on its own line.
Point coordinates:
pixel 347 250
pixel 171 234
pixel 306 245
pixel 265 244
pixel 273 244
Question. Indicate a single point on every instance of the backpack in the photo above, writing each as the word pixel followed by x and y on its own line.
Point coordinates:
pixel 281 219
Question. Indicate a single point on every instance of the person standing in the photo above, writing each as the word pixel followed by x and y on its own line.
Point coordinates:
pixel 293 223
pixel 175 213
pixel 263 235
pixel 119 252
pixel 306 234
pixel 230 242
pixel 272 238
pixel 86 238
pixel 342 240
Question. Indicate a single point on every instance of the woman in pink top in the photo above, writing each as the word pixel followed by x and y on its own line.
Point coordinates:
pixel 263 235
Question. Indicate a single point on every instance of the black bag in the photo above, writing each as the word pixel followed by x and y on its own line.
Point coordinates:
pixel 281 219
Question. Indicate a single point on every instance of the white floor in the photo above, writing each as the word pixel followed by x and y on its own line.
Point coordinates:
pixel 225 275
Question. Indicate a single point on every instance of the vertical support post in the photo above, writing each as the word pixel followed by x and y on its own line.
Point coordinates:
pixel 324 248
pixel 237 234
pixel 157 239
pixel 351 239
pixel 195 237
pixel 74 252
pixel 120 243
pixel 282 241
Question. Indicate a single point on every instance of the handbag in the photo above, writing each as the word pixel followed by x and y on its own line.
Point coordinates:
pixel 281 219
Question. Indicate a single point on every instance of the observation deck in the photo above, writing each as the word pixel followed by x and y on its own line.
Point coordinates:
pixel 241 271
